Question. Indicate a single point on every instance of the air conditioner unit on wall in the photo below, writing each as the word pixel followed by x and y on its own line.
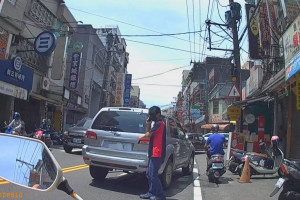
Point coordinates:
pixel 45 83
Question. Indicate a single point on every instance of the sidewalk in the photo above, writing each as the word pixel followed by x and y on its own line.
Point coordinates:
pixel 229 187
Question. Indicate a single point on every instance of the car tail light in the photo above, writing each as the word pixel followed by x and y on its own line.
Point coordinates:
pixel 144 141
pixel 283 168
pixel 91 135
pixel 86 158
pixel 217 174
pixel 218 160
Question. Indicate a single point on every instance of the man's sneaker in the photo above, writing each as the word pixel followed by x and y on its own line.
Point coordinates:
pixel 145 196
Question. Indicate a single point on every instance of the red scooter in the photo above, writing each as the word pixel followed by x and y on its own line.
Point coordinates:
pixel 44 136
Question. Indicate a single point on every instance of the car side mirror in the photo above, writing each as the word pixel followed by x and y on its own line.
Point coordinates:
pixel 28 163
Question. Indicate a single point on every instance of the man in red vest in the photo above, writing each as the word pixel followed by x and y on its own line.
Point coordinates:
pixel 156 153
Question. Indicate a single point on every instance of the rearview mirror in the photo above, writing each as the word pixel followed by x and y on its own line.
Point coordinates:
pixel 28 162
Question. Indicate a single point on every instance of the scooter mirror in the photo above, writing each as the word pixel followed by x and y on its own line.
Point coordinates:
pixel 29 163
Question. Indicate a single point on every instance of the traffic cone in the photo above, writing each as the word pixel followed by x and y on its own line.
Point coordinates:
pixel 245 177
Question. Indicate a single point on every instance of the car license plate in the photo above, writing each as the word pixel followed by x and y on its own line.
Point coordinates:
pixel 119 146
pixel 217 165
pixel 77 140
pixel 279 183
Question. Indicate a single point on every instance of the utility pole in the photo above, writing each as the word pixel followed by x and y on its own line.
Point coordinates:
pixel 235 8
pixel 109 42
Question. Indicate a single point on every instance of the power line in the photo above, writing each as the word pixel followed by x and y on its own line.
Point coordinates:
pixel 163 46
pixel 219 13
pixel 157 84
pixel 188 18
pixel 161 73
pixel 221 4
pixel 124 23
pixel 194 28
pixel 200 35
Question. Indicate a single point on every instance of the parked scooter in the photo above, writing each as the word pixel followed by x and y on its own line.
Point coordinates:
pixel 56 137
pixel 236 159
pixel 290 181
pixel 216 168
pixel 47 174
pixel 262 163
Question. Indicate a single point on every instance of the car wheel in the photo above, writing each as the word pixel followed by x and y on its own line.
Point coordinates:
pixel 68 149
pixel 189 169
pixel 98 173
pixel 166 176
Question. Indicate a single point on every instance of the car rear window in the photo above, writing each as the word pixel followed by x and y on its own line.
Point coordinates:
pixel 122 121
pixel 85 123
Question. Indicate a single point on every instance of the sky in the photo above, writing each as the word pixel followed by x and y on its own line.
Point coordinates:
pixel 157 62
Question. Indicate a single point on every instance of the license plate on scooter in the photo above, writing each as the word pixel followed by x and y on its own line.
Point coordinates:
pixel 279 183
pixel 217 165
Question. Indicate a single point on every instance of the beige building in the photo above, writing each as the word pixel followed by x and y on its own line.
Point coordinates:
pixel 35 87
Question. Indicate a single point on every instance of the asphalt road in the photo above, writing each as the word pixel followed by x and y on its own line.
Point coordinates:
pixel 121 186
pixel 230 189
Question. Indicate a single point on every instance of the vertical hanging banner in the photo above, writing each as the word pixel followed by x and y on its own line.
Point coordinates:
pixel 265 34
pixel 298 91
pixel 253 33
pixel 119 90
pixel 127 89
pixel 74 71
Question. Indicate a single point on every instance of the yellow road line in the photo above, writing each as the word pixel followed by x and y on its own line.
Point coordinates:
pixel 64 170
pixel 74 167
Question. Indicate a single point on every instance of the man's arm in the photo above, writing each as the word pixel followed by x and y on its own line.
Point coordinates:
pixel 147 135
pixel 207 143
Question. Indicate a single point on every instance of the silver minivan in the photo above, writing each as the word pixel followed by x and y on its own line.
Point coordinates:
pixel 111 144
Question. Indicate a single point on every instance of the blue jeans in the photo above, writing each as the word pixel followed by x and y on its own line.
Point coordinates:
pixel 155 186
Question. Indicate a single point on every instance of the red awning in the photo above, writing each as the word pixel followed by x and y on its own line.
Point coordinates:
pixel 222 127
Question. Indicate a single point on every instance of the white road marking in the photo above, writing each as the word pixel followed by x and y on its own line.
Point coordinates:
pixel 197 187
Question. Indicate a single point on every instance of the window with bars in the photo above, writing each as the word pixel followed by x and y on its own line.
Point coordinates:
pixel 215 107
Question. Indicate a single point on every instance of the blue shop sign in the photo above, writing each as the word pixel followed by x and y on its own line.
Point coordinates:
pixel 14 72
pixel 293 67
pixel 127 89
pixel 74 70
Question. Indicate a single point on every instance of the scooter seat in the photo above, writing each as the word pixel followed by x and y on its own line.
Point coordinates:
pixel 259 155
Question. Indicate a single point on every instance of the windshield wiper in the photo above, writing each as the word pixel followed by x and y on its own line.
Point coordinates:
pixel 108 128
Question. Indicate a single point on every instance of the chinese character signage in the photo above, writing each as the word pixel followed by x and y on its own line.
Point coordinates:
pixel 5 40
pixel 74 70
pixel 253 33
pixel 291 45
pixel 234 113
pixel 127 89
pixel 265 34
pixel 195 111
pixel 298 91
pixel 13 72
pixel 119 89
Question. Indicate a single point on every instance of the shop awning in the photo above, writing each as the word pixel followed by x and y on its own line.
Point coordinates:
pixel 222 127
pixel 252 100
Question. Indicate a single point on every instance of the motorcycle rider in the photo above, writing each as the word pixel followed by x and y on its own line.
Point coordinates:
pixel 44 125
pixel 214 143
pixel 16 124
